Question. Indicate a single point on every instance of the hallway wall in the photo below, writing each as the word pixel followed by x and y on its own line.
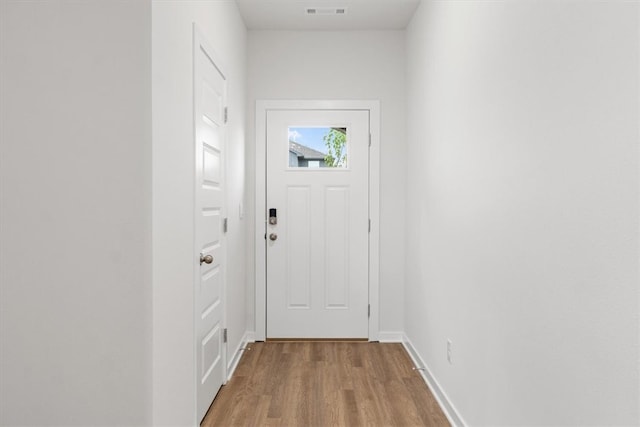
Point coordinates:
pixel 522 225
pixel 75 222
pixel 173 194
pixel 339 65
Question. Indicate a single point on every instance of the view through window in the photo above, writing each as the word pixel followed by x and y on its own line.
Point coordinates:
pixel 318 147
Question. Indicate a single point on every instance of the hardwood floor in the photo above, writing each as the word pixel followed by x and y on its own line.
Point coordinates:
pixel 325 384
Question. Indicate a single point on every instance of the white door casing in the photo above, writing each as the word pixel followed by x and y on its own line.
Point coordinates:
pixel 262 110
pixel 317 264
pixel 210 89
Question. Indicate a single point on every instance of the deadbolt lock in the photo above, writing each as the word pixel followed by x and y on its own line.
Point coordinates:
pixel 273 216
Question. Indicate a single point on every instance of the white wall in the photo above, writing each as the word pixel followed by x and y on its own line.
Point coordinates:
pixel 173 194
pixel 339 65
pixel 522 225
pixel 75 165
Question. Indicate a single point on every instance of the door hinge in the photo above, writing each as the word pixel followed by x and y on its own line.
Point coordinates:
pixel 226 114
pixel 369 226
pixel 225 225
pixel 369 310
pixel 224 335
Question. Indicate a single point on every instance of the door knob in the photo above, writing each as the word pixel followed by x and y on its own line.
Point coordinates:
pixel 208 259
pixel 273 236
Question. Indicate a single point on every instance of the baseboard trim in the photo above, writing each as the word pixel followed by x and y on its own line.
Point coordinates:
pixel 388 336
pixel 445 403
pixel 247 338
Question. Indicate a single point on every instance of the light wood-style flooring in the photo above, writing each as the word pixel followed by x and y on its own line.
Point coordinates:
pixel 325 384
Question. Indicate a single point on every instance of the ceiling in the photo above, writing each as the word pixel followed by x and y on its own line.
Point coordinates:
pixel 358 14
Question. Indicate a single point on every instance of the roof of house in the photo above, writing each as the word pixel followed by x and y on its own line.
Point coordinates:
pixel 305 152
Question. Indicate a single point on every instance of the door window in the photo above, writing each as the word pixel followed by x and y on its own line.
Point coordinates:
pixel 318 147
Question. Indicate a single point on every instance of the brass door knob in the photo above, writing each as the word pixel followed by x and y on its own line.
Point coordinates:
pixel 208 259
pixel 273 236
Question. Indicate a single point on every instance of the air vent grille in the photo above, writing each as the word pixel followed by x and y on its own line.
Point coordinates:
pixel 326 10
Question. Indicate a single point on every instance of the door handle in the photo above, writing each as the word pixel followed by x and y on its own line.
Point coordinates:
pixel 273 237
pixel 208 259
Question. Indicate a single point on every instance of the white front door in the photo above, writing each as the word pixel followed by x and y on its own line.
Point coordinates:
pixel 210 100
pixel 317 233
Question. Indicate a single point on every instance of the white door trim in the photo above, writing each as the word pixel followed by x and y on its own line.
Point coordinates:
pixel 262 106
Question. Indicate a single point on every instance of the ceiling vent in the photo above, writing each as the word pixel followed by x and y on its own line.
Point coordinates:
pixel 326 10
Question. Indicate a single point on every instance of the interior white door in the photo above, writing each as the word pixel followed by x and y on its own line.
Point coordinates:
pixel 317 249
pixel 209 109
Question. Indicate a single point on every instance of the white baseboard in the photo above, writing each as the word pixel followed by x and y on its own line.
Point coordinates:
pixel 445 403
pixel 247 338
pixel 388 336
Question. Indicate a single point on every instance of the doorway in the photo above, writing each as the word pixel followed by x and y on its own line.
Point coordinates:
pixel 317 180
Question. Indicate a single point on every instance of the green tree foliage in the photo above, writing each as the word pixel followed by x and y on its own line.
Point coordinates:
pixel 336 143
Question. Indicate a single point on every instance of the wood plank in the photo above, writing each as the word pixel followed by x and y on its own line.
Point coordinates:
pixel 317 340
pixel 325 384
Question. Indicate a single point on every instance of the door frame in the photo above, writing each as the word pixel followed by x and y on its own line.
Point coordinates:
pixel 262 107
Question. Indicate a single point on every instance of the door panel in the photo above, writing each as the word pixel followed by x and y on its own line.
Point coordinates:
pixel 317 267
pixel 336 215
pixel 299 234
pixel 209 94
